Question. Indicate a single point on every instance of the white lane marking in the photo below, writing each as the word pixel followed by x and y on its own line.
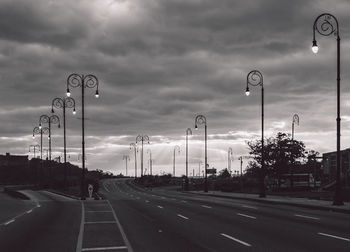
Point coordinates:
pixel 126 241
pixel 81 231
pixel 205 206
pixel 160 207
pixel 184 217
pixel 153 195
pixel 104 248
pixel 248 216
pixel 236 240
pixel 29 211
pixel 334 236
pixel 104 185
pixel 307 217
pixel 99 222
pixel 251 207
pixel 184 201
pixel 146 201
pixel 98 211
pixel 10 221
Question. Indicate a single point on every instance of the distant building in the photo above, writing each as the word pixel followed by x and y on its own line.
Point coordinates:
pixel 13 160
pixel 329 165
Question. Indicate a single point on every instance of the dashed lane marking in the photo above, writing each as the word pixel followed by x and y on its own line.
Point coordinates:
pixel 247 216
pixel 306 217
pixel 160 207
pixel 104 248
pixel 236 240
pixel 205 206
pixel 147 201
pixel 29 211
pixel 183 217
pixel 184 201
pixel 334 236
pixel 9 222
pixel 251 207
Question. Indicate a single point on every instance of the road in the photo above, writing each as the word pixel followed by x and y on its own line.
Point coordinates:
pixel 163 220
pixel 134 219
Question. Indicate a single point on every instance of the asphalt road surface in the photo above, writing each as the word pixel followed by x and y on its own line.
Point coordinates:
pixel 135 219
pixel 163 220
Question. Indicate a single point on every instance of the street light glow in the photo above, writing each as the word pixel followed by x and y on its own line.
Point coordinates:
pixel 97 94
pixel 314 47
pixel 247 93
pixel 74 112
pixel 68 92
pixel 39 125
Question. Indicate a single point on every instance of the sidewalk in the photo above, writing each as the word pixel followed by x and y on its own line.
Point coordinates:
pixel 272 199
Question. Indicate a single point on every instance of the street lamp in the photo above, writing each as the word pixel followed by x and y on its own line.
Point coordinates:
pixel 33 147
pixel 199 168
pixel 229 159
pixel 42 131
pixel 241 160
pixel 201 119
pixel 84 81
pixel 150 160
pixel 326 24
pixel 255 78
pixel 53 119
pixel 133 145
pixel 142 138
pixel 176 148
pixel 294 121
pixel 64 103
pixel 126 158
pixel 188 132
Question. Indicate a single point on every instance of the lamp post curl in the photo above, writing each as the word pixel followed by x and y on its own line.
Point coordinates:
pixel 255 78
pixel 326 24
pixel 142 139
pixel 200 120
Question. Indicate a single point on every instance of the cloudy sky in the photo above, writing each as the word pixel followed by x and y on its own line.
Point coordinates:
pixel 162 62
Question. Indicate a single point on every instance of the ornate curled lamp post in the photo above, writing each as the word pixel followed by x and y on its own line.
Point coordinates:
pixel 84 81
pixel 188 132
pixel 229 159
pixel 201 119
pixel 150 160
pixel 33 146
pixel 255 78
pixel 53 119
pixel 126 158
pixel 326 24
pixel 134 146
pixel 64 103
pixel 42 131
pixel 176 149
pixel 142 139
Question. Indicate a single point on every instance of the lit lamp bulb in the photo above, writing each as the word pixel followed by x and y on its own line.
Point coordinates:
pixel 196 127
pixel 68 92
pixel 74 112
pixel 97 94
pixel 33 136
pixel 247 93
pixel 40 126
pixel 314 47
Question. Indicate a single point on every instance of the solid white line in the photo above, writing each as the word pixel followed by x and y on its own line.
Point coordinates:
pixel 99 222
pixel 10 221
pixel 98 211
pixel 184 217
pixel 334 236
pixel 236 240
pixel 81 231
pixel 248 216
pixel 307 217
pixel 126 241
pixel 251 207
pixel 160 207
pixel 206 206
pixel 104 248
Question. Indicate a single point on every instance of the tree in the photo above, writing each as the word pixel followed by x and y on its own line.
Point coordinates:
pixel 224 174
pixel 280 154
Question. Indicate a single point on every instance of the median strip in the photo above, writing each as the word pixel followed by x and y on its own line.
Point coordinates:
pixel 236 240
pixel 334 236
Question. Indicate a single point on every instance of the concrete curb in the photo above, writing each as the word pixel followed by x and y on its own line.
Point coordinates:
pixel 324 208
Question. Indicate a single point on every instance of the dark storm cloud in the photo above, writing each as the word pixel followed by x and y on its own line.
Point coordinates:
pixel 160 63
